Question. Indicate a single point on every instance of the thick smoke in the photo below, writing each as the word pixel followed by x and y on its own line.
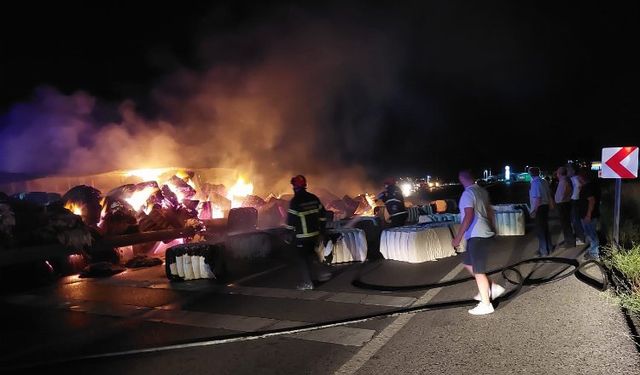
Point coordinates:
pixel 309 99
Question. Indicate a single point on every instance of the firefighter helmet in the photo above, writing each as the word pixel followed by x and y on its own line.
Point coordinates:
pixel 299 182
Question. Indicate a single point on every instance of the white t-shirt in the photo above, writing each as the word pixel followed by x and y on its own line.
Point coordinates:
pixel 563 192
pixel 575 181
pixel 477 198
pixel 539 189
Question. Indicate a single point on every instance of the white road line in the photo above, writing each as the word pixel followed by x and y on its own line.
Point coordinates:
pixel 371 348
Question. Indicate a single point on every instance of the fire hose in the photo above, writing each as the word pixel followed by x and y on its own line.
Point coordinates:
pixel 510 273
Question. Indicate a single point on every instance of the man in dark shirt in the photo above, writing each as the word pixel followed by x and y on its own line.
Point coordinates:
pixel 589 210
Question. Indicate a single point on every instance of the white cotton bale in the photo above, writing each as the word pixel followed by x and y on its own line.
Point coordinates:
pixel 173 269
pixel 205 269
pixel 180 265
pixel 188 269
pixel 195 266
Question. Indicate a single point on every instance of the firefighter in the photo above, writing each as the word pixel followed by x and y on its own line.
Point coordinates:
pixel 394 202
pixel 307 217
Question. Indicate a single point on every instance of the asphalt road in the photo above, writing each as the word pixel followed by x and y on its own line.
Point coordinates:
pixel 560 328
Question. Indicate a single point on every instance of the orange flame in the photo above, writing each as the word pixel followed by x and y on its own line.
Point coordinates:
pixel 74 207
pixel 175 191
pixel 372 204
pixel 185 176
pixel 147 174
pixel 237 192
pixel 138 200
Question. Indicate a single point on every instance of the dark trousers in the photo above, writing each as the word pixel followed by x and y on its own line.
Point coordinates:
pixel 542 230
pixel 306 259
pixel 576 221
pixel 399 220
pixel 564 209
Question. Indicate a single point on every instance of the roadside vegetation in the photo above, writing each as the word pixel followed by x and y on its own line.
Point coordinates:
pixel 624 259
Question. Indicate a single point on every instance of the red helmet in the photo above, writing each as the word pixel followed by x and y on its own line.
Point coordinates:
pixel 390 181
pixel 299 182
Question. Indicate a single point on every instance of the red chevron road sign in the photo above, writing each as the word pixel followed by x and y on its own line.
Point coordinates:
pixel 620 162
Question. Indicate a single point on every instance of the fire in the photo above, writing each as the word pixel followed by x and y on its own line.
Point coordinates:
pixel 187 178
pixel 372 204
pixel 103 211
pixel 74 207
pixel 148 174
pixel 217 213
pixel 176 191
pixel 241 189
pixel 138 200
pixel 207 210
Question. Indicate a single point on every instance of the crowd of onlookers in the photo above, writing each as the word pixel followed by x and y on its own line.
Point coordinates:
pixel 576 197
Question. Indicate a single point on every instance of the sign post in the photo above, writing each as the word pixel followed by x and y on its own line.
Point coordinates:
pixel 619 163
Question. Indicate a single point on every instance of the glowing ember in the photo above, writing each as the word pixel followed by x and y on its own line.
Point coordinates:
pixel 138 200
pixel 240 190
pixel 74 207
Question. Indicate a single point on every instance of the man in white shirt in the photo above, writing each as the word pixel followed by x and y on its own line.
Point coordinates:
pixel 576 220
pixel 477 227
pixel 540 199
pixel 563 203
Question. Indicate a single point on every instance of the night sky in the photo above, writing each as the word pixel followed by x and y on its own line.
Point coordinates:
pixel 474 84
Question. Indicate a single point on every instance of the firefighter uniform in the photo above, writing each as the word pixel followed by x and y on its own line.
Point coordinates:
pixel 307 217
pixel 394 202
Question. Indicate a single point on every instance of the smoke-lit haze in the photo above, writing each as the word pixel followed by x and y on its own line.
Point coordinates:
pixel 312 97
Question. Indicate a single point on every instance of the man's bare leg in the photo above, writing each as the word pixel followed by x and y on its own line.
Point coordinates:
pixel 484 286
pixel 483 282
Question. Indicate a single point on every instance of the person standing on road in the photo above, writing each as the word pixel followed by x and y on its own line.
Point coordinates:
pixel 540 199
pixel 590 212
pixel 394 202
pixel 478 228
pixel 307 217
pixel 563 203
pixel 576 221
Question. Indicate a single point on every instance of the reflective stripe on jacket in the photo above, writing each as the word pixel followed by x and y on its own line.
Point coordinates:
pixel 306 215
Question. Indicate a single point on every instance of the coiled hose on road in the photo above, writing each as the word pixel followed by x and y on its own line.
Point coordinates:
pixel 573 267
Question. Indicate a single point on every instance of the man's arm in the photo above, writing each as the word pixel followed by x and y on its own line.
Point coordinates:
pixel 492 218
pixel 292 217
pixel 322 220
pixel 568 190
pixel 550 198
pixel 536 194
pixel 468 219
pixel 536 204
pixel 592 205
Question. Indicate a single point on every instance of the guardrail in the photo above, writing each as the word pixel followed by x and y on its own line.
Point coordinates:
pixel 44 252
